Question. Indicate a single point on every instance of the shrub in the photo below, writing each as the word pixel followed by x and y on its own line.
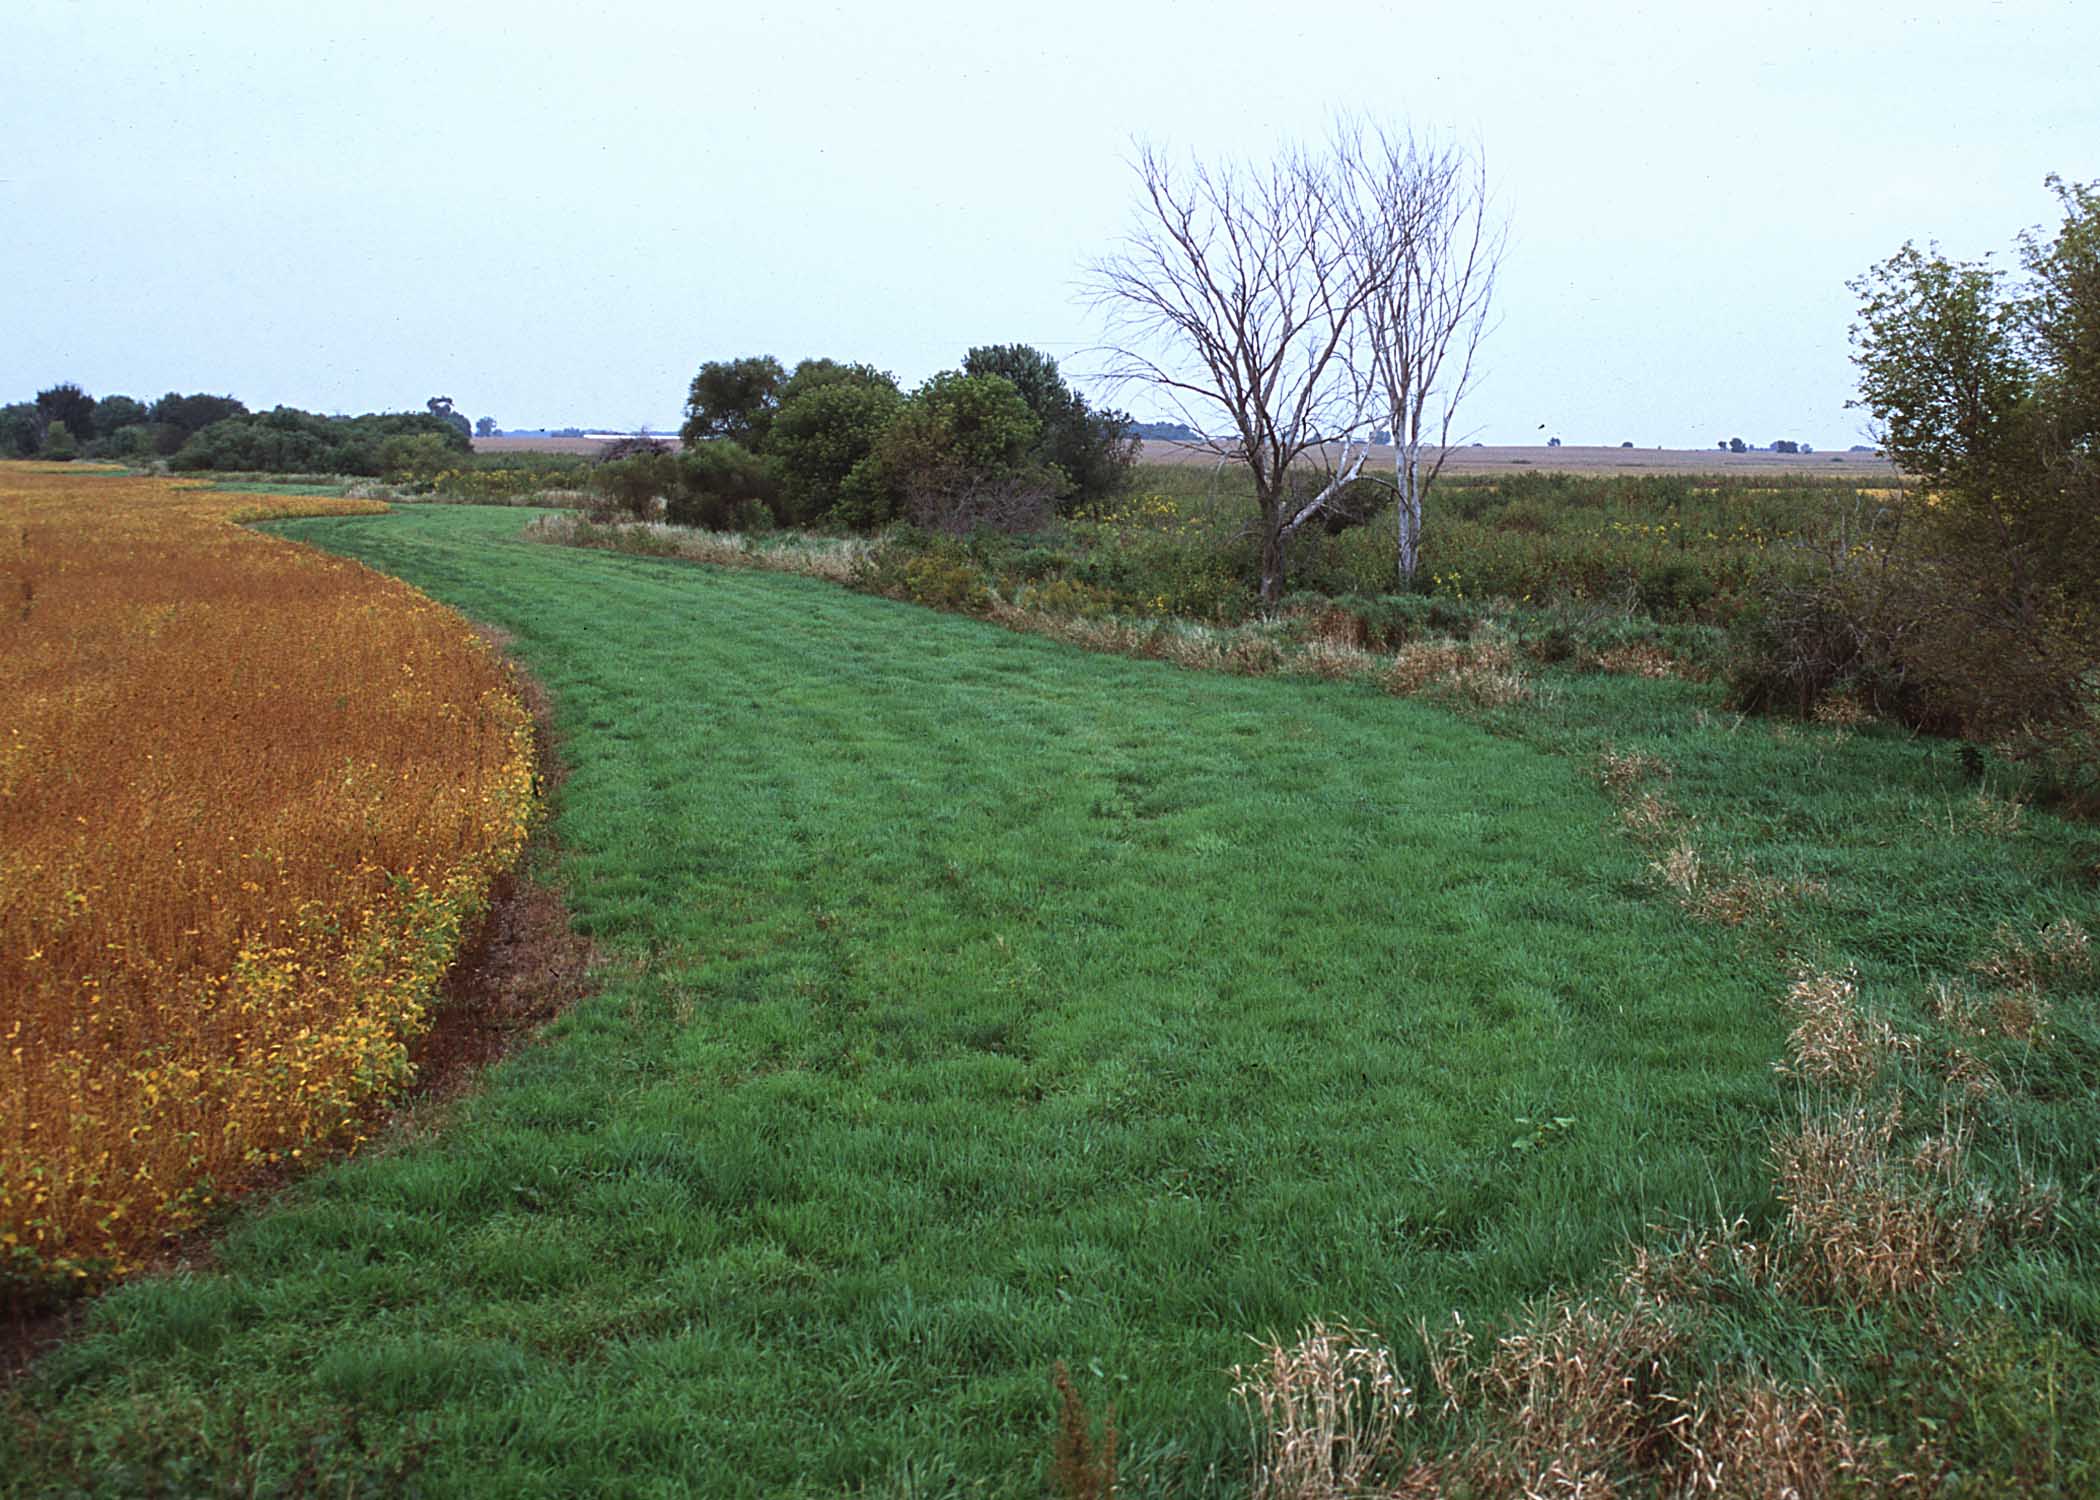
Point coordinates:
pixel 945 583
pixel 1094 451
pixel 1068 596
pixel 632 486
pixel 60 444
pixel 21 430
pixel 1992 397
pixel 723 486
pixel 955 457
pixel 819 437
pixel 419 458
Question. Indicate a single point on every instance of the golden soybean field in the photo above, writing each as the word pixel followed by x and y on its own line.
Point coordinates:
pixel 250 795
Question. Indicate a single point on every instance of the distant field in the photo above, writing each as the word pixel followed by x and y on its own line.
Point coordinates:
pixel 541 444
pixel 1462 461
pixel 1486 460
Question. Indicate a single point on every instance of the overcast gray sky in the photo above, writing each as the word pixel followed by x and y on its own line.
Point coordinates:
pixel 554 214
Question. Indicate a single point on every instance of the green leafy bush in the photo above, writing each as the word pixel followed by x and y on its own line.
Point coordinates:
pixel 633 486
pixel 818 437
pixel 723 486
pixel 956 456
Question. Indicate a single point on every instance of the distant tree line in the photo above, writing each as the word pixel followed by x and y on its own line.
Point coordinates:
pixel 1002 441
pixel 65 422
pixel 1777 445
pixel 202 431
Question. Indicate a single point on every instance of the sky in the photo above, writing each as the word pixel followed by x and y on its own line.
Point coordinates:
pixel 555 214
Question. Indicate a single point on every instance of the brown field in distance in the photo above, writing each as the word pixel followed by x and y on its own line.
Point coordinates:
pixel 1468 460
pixel 1572 460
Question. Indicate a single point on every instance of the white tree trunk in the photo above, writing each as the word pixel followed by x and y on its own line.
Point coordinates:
pixel 1407 483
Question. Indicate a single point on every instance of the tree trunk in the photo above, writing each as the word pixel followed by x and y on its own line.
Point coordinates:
pixel 1407 479
pixel 1272 542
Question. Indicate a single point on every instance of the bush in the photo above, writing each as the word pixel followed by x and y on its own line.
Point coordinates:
pixel 723 486
pixel 631 487
pixel 59 443
pixel 21 430
pixel 919 569
pixel 1977 607
pixel 418 458
pixel 819 437
pixel 1094 451
pixel 955 457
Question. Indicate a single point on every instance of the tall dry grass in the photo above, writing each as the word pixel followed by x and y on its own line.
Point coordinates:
pixel 249 795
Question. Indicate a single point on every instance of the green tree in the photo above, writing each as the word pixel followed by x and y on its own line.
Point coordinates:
pixel 959 454
pixel 59 443
pixel 1987 390
pixel 734 399
pixel 821 436
pixel 180 416
pixel 115 413
pixel 21 430
pixel 815 374
pixel 1094 450
pixel 69 404
pixel 485 427
pixel 441 408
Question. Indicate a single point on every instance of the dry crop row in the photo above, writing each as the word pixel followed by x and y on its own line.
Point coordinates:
pixel 249 795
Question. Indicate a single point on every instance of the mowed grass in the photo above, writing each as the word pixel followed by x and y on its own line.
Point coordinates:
pixel 971 1004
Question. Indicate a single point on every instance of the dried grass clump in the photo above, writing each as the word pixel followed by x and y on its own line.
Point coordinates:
pixel 1868 1223
pixel 1734 896
pixel 2020 1013
pixel 835 559
pixel 1082 1466
pixel 1680 869
pixel 1649 817
pixel 1833 1041
pixel 1482 672
pixel 2021 972
pixel 1750 1441
pixel 1254 654
pixel 1972 1075
pixel 1336 627
pixel 1334 660
pixel 1328 1414
pixel 1639 659
pixel 1577 1399
pixel 1585 1390
pixel 1687 1267
pixel 1981 814
pixel 1621 771
pixel 1842 711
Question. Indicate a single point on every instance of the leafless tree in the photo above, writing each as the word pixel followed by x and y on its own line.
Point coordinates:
pixel 1285 309
pixel 1425 215
pixel 1236 296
